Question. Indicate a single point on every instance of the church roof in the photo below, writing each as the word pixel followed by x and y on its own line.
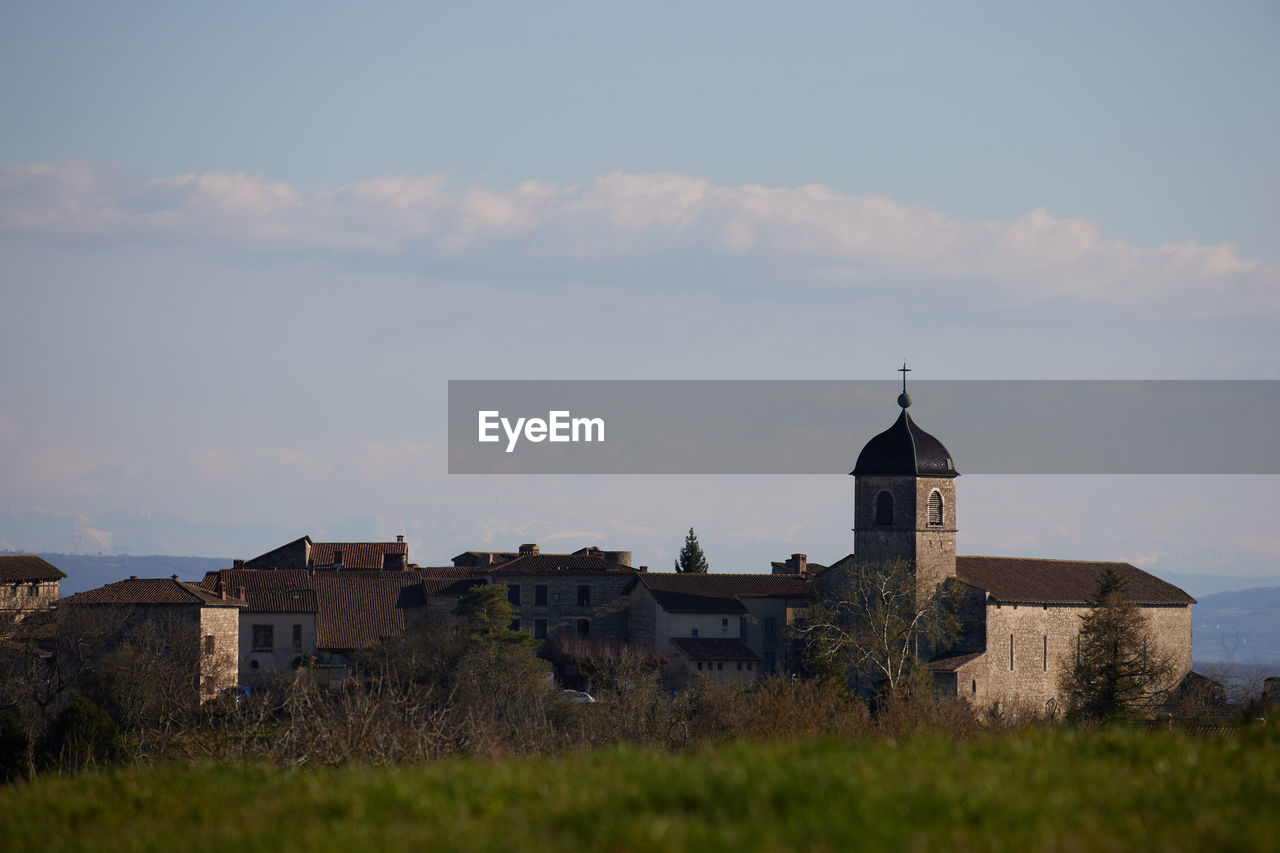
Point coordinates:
pixel 1023 580
pixel 904 448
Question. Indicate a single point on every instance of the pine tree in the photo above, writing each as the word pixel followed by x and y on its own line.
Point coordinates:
pixel 691 560
pixel 1118 672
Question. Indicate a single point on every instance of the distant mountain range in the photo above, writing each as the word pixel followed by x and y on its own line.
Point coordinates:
pixel 85 571
pixel 1238 627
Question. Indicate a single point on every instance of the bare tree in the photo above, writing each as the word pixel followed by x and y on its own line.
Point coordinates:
pixel 870 624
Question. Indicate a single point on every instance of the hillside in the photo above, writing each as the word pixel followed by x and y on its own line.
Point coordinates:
pixel 1238 627
pixel 1054 790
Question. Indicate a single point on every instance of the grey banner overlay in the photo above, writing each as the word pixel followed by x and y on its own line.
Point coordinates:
pixel 819 426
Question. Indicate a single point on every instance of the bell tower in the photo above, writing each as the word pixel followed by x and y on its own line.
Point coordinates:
pixel 904 500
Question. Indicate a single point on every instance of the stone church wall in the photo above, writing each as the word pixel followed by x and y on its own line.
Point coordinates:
pixel 1030 645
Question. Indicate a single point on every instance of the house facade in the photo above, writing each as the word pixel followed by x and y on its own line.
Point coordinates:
pixel 28 584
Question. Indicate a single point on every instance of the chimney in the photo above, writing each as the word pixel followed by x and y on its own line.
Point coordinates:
pixel 399 537
pixel 394 562
pixel 611 560
pixel 174 575
pixel 798 564
pixel 644 568
pixel 527 549
pixel 237 564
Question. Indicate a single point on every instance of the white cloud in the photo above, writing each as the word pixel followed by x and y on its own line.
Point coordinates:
pixel 821 237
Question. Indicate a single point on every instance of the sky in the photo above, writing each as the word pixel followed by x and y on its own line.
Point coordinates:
pixel 244 247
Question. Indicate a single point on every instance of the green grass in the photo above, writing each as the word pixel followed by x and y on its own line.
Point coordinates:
pixel 1057 790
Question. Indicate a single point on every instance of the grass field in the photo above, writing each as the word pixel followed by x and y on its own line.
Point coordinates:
pixel 1056 790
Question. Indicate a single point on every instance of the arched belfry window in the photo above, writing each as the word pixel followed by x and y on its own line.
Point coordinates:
pixel 884 508
pixel 935 508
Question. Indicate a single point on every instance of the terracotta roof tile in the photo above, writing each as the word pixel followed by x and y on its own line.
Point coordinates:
pixel 551 564
pixel 717 584
pixel 149 591
pixel 356 555
pixel 282 601
pixel 714 648
pixel 1035 581
pixel 16 568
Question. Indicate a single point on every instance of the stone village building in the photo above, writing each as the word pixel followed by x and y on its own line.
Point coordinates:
pixel 1022 615
pixel 27 584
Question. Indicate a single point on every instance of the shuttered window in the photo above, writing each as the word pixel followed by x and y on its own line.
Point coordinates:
pixel 884 508
pixel 935 508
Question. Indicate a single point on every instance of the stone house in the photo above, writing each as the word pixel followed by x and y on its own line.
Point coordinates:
pixel 277 628
pixel 583 594
pixel 752 609
pixel 27 584
pixel 207 624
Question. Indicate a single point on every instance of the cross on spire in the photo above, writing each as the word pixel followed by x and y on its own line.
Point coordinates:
pixel 904 370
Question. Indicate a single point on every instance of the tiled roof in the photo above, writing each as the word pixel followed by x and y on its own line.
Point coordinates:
pixel 353 609
pixel 1034 581
pixel 356 555
pixel 282 601
pixel 720 585
pixel 149 591
pixel 551 564
pixel 690 600
pixel 714 648
pixel 27 567
pixel 952 662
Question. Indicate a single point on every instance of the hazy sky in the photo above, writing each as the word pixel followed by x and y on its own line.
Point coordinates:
pixel 243 247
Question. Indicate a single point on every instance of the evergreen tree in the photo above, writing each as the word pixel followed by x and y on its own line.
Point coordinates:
pixel 691 560
pixel 1118 672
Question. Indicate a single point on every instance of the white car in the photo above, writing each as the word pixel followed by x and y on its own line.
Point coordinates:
pixel 577 696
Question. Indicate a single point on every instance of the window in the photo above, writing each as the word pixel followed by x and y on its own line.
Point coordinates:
pixel 263 637
pixel 724 624
pixel 935 508
pixel 540 629
pixel 208 645
pixel 540 595
pixel 34 590
pixel 742 627
pixel 748 666
pixel 720 666
pixel 584 595
pixel 513 594
pixel 1046 652
pixel 769 627
pixel 739 666
pixel 693 633
pixel 884 508
pixel 1011 652
pixel 770 659
pixel 297 637
pixel 584 627
pixel 973 686
pixel 699 665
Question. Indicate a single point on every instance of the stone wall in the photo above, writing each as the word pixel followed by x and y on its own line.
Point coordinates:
pixel 1028 646
pixel 219 662
pixel 910 537
pixel 19 599
pixel 606 613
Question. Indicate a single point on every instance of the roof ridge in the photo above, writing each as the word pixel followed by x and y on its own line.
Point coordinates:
pixel 1045 560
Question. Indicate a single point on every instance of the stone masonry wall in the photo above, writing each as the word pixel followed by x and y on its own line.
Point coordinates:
pixel 219 670
pixel 1043 642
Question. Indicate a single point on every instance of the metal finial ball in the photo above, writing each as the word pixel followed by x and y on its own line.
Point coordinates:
pixel 904 399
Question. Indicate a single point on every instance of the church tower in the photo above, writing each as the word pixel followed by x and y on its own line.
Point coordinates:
pixel 904 501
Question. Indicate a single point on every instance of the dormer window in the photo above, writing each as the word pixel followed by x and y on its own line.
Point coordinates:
pixel 884 508
pixel 935 508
